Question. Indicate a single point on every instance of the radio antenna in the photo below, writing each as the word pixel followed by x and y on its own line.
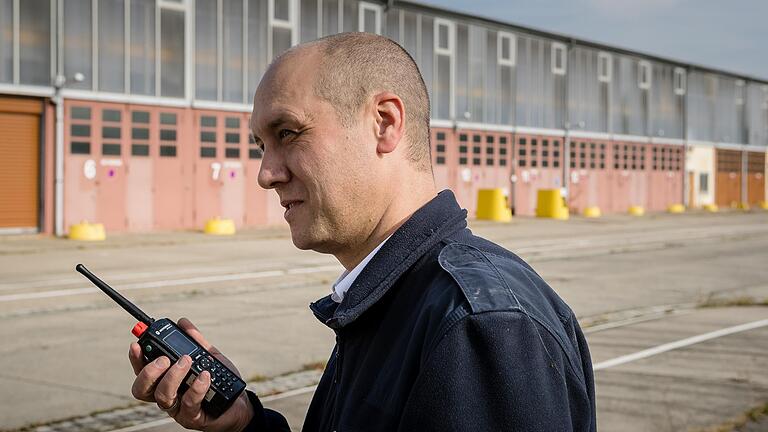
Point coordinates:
pixel 116 296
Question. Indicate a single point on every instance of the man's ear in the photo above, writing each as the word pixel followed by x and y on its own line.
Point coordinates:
pixel 389 121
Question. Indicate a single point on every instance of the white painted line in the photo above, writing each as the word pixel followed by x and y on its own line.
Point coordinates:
pixel 166 283
pixel 265 399
pixel 289 393
pixel 678 344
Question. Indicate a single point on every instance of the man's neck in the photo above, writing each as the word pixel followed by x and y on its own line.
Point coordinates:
pixel 392 219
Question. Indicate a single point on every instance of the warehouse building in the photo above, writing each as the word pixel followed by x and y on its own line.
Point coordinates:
pixel 134 113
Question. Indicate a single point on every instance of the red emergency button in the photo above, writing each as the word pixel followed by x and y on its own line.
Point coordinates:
pixel 139 329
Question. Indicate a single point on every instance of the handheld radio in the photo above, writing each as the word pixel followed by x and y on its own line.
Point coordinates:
pixel 164 338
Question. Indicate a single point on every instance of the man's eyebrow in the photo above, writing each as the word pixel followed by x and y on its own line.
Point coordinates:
pixel 282 119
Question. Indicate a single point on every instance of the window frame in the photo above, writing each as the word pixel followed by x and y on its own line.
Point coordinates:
pixel 362 7
pixel 644 65
pixel 741 92
pixel 451 53
pixel 292 24
pixel 559 46
pixel 680 81
pixel 510 61
pixel 608 75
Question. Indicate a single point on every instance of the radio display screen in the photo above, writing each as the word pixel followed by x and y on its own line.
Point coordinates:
pixel 179 343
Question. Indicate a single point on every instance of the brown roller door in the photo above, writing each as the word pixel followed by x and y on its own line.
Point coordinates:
pixel 755 177
pixel 19 162
pixel 728 178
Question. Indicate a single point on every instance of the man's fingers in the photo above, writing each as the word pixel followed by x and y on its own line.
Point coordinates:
pixel 147 379
pixel 191 330
pixel 165 392
pixel 136 358
pixel 191 414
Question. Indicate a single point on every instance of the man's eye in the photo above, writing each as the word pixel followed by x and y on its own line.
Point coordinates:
pixel 284 133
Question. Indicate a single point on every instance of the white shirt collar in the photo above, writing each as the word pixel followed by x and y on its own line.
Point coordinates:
pixel 344 282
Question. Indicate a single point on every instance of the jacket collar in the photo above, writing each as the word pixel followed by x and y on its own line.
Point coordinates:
pixel 436 220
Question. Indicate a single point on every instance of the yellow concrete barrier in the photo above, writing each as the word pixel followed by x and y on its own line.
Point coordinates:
pixel 550 204
pixel 492 205
pixel 592 212
pixel 712 208
pixel 763 205
pixel 636 210
pixel 85 231
pixel 676 208
pixel 217 226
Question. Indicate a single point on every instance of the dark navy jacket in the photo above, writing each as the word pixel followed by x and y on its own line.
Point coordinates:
pixel 446 331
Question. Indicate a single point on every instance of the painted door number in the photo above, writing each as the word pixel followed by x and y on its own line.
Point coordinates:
pixel 215 170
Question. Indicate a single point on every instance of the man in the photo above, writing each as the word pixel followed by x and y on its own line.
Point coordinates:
pixel 436 329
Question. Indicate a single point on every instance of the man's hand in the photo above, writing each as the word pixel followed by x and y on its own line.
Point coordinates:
pixel 159 382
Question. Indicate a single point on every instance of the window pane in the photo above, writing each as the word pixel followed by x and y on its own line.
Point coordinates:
pixel 409 38
pixel 393 25
pixel 257 43
pixel 77 42
pixel 168 118
pixel 330 17
pixel 232 122
pixel 82 113
pixel 140 117
pixel 308 20
pixel 172 53
pixel 111 46
pixel 281 40
pixel 111 115
pixel 282 10
pixel 462 69
pixel 34 42
pixel 351 19
pixel 505 48
pixel 6 40
pixel 233 51
pixel 205 50
pixel 208 121
pixel 442 41
pixel 443 87
pixel 369 24
pixel 143 47
pixel 425 59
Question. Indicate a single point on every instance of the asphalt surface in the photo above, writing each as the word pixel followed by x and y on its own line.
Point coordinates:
pixel 64 345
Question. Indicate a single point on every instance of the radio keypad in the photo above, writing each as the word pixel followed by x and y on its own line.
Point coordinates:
pixel 221 378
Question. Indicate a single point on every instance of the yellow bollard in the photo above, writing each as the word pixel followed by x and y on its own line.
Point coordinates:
pixel 676 208
pixel 636 210
pixel 492 205
pixel 550 204
pixel 743 206
pixel 217 226
pixel 592 212
pixel 763 205
pixel 85 231
pixel 712 208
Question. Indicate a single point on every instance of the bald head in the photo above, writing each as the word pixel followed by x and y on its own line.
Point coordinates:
pixel 354 66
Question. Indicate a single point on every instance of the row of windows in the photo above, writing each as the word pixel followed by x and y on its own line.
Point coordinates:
pixel 546 153
pixel 81 134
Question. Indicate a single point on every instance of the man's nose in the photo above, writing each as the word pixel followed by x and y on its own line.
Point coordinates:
pixel 273 170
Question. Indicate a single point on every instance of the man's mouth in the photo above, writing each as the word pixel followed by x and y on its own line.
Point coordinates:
pixel 290 205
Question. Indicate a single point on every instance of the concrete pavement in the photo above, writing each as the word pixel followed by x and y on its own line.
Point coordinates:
pixel 255 286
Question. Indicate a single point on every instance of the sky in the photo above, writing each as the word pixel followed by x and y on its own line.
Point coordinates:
pixel 721 34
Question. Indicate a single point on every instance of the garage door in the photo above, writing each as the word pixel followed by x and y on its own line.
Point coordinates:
pixel 19 162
